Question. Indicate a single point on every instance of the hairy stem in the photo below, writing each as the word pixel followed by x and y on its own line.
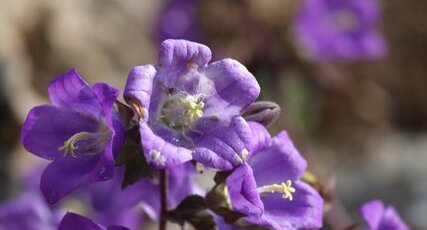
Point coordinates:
pixel 163 199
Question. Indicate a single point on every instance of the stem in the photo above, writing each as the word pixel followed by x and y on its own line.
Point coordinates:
pixel 163 199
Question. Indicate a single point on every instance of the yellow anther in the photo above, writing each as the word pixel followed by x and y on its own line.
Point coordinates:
pixel 180 110
pixel 285 188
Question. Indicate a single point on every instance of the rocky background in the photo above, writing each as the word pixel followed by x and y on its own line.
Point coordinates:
pixel 365 122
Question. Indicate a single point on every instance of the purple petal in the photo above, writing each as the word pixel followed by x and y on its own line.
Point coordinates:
pixel 160 153
pixel 182 52
pixel 278 162
pixel 260 137
pixel 69 90
pixel 225 147
pixel 231 90
pixel 243 191
pixel 139 87
pixel 48 127
pixel 72 221
pixel 107 96
pixel 130 218
pixel 392 221
pixel 65 175
pixel 304 211
pixel 372 212
pixel 28 211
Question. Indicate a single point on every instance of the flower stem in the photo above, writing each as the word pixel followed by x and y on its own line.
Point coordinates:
pixel 163 199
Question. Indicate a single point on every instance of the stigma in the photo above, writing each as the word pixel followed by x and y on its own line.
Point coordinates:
pixel 285 188
pixel 180 110
pixel 86 143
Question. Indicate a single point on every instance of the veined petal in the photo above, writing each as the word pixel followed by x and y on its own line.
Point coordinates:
pixel 160 153
pixel 304 211
pixel 225 144
pixel 278 162
pixel 182 52
pixel 47 127
pixel 231 90
pixel 242 190
pixel 64 175
pixel 69 90
pixel 107 96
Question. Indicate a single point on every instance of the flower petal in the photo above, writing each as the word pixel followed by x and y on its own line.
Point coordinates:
pixel 225 144
pixel 47 127
pixel 138 88
pixel 73 221
pixel 260 137
pixel 372 212
pixel 107 96
pixel 230 88
pixel 69 90
pixel 182 52
pixel 278 162
pixel 304 211
pixel 243 191
pixel 160 153
pixel 392 221
pixel 64 175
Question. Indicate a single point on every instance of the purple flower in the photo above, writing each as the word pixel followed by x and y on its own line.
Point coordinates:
pixel 339 29
pixel 268 190
pixel 72 221
pixel 177 20
pixel 380 217
pixel 145 193
pixel 79 132
pixel 189 109
pixel 28 212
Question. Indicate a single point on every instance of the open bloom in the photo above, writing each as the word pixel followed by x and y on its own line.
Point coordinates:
pixel 189 109
pixel 79 132
pixel 380 217
pixel 339 29
pixel 73 221
pixel 268 190
pixel 124 205
pixel 178 20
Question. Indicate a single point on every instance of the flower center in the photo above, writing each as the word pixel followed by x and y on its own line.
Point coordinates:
pixel 180 110
pixel 285 188
pixel 86 143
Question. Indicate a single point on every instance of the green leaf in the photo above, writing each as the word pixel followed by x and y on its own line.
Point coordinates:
pixel 133 159
pixel 193 209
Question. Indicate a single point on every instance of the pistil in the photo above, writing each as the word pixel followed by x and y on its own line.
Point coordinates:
pixel 285 188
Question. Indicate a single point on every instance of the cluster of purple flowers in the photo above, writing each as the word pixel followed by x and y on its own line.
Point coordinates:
pixel 188 112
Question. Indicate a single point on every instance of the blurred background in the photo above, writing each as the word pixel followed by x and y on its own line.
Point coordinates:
pixel 351 85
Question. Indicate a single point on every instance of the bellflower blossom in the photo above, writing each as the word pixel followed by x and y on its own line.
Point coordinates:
pixel 380 217
pixel 268 188
pixel 73 221
pixel 189 109
pixel 339 29
pixel 123 204
pixel 28 212
pixel 177 20
pixel 79 132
